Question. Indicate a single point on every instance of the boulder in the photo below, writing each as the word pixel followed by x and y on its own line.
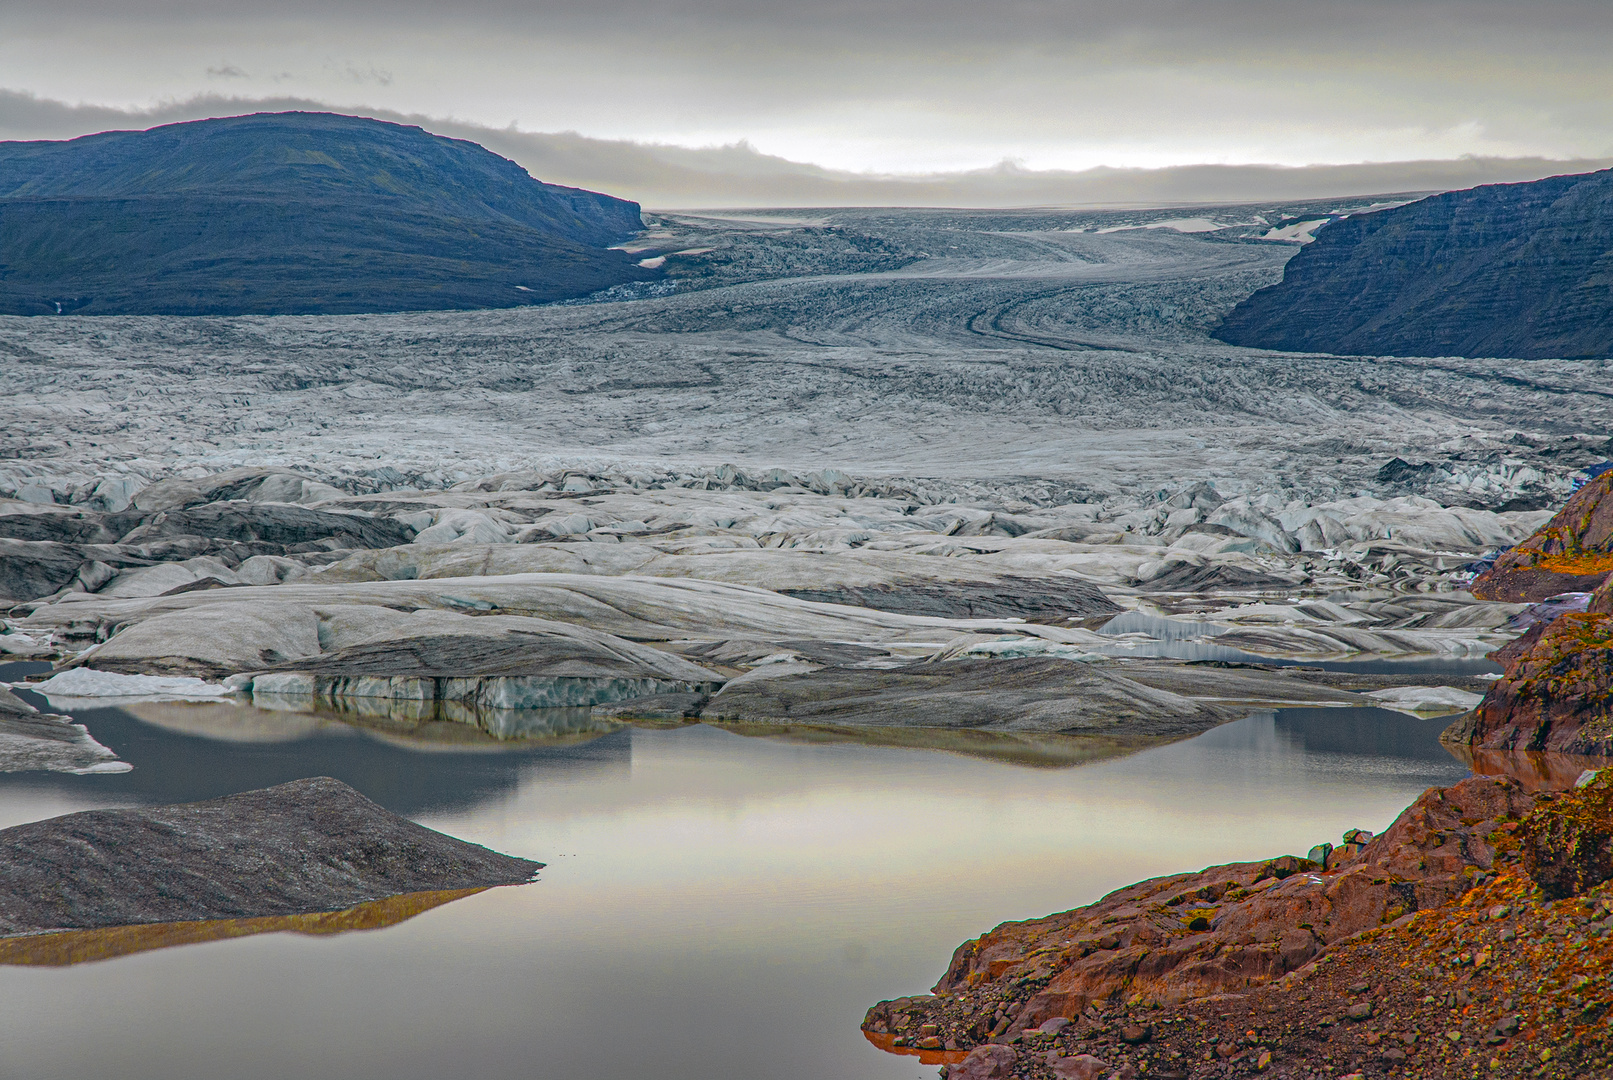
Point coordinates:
pixel 1573 552
pixel 310 845
pixel 989 1062
pixel 1078 1067
pixel 1567 840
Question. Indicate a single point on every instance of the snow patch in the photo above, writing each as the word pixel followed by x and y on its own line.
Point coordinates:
pixel 1301 232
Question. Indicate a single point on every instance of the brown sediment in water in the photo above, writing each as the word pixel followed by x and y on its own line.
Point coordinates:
pixel 69 947
pixel 887 1043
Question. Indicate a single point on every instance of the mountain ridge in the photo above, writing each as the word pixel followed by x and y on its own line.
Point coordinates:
pixel 1517 271
pixel 293 213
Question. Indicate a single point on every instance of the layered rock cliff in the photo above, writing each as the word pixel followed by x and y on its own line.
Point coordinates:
pixel 1504 270
pixel 293 213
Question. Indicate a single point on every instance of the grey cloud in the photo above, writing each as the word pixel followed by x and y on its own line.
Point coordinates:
pixel 739 176
pixel 226 71
pixel 1169 29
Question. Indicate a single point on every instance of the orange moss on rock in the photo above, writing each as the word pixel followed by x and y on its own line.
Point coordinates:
pixel 1573 552
pixel 1498 978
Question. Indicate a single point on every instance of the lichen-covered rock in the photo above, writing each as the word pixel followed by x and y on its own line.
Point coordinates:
pixel 1557 693
pixel 1568 840
pixel 1224 930
pixel 1573 552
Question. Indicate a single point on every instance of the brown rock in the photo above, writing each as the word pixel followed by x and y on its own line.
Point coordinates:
pixel 1573 552
pixel 1557 693
pixel 1568 841
pixel 1079 1067
pixel 1259 934
pixel 989 1062
pixel 1134 1034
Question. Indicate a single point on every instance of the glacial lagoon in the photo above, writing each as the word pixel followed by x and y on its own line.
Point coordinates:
pixel 715 904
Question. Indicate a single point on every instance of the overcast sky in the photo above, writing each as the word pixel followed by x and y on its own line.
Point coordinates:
pixel 881 85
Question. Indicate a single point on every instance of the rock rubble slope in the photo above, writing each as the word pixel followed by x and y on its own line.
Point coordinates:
pixel 1469 938
pixel 1557 692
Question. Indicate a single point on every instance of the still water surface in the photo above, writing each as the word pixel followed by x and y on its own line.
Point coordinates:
pixel 715 907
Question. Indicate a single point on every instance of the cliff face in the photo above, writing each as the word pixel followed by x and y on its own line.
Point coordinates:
pixel 1573 552
pixel 293 213
pixel 1557 693
pixel 1505 270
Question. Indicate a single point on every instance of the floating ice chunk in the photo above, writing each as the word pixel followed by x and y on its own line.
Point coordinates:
pixel 89 683
pixel 103 767
pixel 1426 699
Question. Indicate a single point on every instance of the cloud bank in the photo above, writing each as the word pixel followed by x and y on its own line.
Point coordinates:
pixel 735 176
pixel 891 86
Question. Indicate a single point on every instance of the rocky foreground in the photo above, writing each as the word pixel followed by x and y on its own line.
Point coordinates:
pixel 1557 693
pixel 1473 937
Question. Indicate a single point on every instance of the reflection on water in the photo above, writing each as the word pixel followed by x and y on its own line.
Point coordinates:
pixel 82 946
pixel 184 752
pixel 714 905
pixel 1200 649
pixel 1537 770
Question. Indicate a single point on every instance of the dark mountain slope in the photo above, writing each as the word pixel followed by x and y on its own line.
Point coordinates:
pixel 1507 270
pixel 293 213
